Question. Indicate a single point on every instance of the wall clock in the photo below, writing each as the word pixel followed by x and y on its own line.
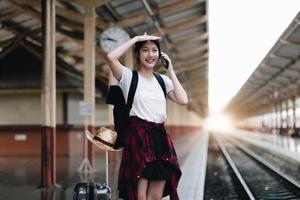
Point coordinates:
pixel 112 38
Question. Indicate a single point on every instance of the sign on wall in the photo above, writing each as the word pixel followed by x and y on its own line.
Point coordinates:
pixel 85 108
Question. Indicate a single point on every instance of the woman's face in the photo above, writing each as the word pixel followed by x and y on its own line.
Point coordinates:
pixel 149 55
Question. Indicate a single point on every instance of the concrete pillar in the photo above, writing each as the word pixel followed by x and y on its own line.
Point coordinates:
pixel 276 116
pixel 294 113
pixel 48 137
pixel 281 116
pixel 272 118
pixel 287 114
pixel 89 73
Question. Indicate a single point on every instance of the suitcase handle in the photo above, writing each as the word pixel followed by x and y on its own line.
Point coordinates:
pixel 106 167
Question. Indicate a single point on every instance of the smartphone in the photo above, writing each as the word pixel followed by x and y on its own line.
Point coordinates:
pixel 164 62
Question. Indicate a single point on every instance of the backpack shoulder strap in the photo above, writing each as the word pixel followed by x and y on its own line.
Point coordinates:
pixel 161 83
pixel 132 89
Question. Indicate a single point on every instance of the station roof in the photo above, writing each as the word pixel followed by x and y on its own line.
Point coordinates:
pixel 276 79
pixel 182 25
pixel 25 73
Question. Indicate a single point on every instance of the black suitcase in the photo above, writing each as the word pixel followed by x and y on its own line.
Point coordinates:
pixel 91 191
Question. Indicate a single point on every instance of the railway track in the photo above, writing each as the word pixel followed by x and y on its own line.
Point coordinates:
pixel 236 172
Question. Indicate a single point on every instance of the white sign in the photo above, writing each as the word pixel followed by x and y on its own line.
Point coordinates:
pixel 86 108
pixel 20 137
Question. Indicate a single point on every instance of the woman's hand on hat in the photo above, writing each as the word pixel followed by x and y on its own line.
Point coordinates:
pixel 146 37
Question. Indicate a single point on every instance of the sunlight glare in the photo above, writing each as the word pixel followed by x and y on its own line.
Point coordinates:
pixel 219 123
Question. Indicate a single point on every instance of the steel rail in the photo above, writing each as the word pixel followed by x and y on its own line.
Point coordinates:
pixel 237 175
pixel 290 182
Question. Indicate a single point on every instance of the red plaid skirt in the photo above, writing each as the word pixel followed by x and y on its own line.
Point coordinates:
pixel 139 152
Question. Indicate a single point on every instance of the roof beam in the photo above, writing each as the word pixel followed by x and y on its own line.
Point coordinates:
pixel 176 7
pixel 272 66
pixel 69 25
pixel 73 52
pixel 274 55
pixel 132 21
pixel 26 9
pixel 90 3
pixel 289 42
pixel 192 51
pixel 184 25
pixel 10 47
pixel 196 38
pixel 76 38
pixel 9 15
pixel 7 42
pixel 162 11
pixel 69 14
pixel 78 17
pixel 202 65
pixel 195 61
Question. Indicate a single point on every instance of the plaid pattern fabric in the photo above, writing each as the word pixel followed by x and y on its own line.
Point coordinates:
pixel 138 152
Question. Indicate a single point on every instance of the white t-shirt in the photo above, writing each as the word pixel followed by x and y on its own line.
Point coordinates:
pixel 149 102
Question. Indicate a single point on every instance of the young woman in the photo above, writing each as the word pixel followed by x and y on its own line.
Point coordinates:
pixel 149 167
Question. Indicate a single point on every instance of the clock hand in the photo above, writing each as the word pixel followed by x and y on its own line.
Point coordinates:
pixel 110 39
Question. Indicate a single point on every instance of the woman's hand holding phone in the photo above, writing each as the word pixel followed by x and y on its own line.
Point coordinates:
pixel 165 60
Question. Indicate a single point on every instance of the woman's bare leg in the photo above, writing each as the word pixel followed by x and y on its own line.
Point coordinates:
pixel 142 188
pixel 155 190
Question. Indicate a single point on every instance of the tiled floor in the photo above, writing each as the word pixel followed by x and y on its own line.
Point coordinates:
pixel 284 141
pixel 281 144
pixel 191 185
pixel 20 176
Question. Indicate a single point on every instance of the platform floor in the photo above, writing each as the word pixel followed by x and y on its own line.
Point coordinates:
pixel 282 144
pixel 191 185
pixel 20 176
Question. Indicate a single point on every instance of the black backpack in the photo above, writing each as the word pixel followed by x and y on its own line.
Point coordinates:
pixel 121 110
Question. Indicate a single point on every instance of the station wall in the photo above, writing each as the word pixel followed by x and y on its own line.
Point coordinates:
pixel 20 123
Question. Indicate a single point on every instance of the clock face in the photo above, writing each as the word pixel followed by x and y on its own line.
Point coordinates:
pixel 112 38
